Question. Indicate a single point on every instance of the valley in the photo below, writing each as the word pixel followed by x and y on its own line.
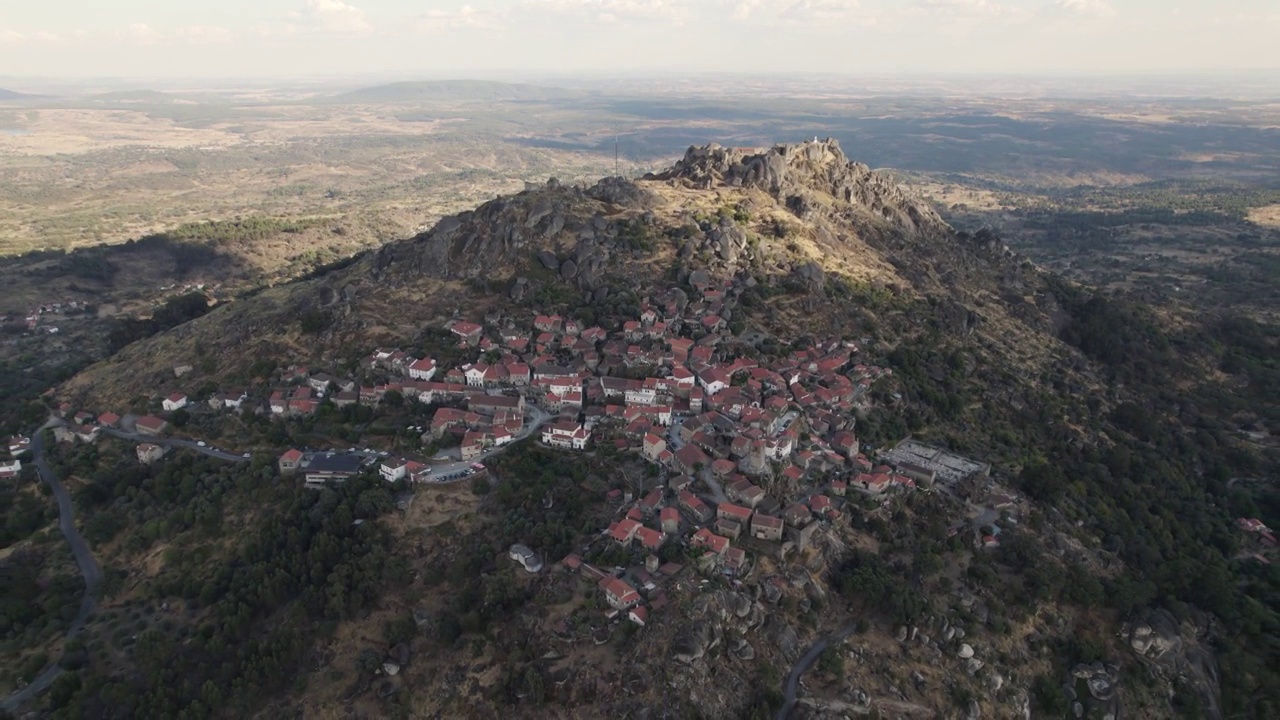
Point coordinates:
pixel 983 435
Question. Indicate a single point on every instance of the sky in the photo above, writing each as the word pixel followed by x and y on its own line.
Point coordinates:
pixel 306 38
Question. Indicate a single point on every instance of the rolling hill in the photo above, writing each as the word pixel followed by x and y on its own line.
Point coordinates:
pixel 453 90
pixel 1118 430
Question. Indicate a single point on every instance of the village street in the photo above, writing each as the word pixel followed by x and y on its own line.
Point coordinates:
pixel 441 473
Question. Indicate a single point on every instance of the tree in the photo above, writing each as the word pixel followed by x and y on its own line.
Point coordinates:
pixel 831 661
pixel 63 690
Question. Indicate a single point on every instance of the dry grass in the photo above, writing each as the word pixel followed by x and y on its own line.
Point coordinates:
pixel 78 177
pixel 1268 216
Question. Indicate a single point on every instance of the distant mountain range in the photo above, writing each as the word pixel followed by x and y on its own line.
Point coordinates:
pixel 417 91
pixel 136 96
pixel 7 95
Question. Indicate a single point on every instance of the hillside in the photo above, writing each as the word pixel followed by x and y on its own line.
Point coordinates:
pixel 796 217
pixel 1118 579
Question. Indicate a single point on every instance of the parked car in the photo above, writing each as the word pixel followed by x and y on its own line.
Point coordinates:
pixel 201 443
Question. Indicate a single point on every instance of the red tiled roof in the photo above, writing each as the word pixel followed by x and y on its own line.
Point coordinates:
pixel 618 588
pixel 733 511
pixel 624 530
pixel 767 521
pixel 649 538
pixel 150 422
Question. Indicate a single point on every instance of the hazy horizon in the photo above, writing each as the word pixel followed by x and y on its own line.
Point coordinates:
pixel 146 40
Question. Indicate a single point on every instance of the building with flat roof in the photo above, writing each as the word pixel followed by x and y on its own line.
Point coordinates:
pixel 321 468
pixel 933 464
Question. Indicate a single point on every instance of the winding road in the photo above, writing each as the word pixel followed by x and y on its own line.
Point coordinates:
pixel 793 680
pixel 176 442
pixel 88 569
pixel 540 418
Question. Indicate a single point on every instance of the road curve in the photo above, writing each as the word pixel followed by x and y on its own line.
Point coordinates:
pixel 540 418
pixel 88 569
pixel 793 680
pixel 175 442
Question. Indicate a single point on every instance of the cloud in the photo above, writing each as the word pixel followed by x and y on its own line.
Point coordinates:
pixel 464 17
pixel 798 12
pixel 967 8
pixel 331 16
pixel 141 34
pixel 742 9
pixel 202 35
pixel 39 37
pixel 1246 19
pixel 1084 8
pixel 807 12
pixel 609 11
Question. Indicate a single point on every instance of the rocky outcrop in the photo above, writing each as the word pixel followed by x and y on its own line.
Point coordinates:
pixel 799 174
pixel 1174 650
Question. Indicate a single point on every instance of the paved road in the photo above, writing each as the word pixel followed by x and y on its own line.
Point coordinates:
pixel 176 442
pixel 793 680
pixel 79 548
pixel 717 492
pixel 673 434
pixel 88 569
pixel 540 418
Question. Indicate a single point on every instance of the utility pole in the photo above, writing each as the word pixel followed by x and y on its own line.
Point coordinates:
pixel 615 153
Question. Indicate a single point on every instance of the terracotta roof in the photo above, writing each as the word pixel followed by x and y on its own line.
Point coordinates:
pixel 733 511
pixel 624 530
pixel 150 422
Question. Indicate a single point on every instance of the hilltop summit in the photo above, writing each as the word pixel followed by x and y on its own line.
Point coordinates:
pixel 807 226
pixel 790 185
pixel 794 173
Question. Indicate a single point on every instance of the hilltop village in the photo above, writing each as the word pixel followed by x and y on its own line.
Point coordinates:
pixel 747 450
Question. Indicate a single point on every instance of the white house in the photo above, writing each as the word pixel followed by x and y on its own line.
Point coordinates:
pixel 394 469
pixel 10 467
pixel 475 374
pixel 423 369
pixel 778 448
pixel 644 395
pixel 176 401
pixel 713 381
pixel 564 385
pixel 566 434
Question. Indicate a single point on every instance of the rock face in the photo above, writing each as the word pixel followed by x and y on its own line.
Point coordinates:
pixel 578 231
pixel 796 173
pixel 1157 637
